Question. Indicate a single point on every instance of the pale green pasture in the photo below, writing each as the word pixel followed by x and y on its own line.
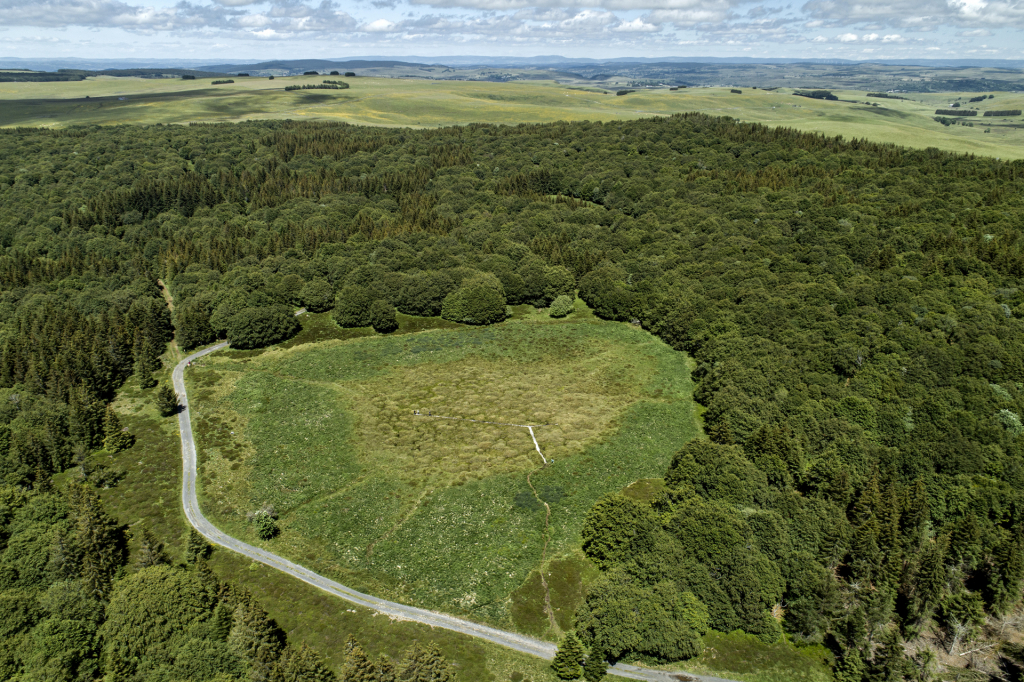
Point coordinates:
pixel 425 103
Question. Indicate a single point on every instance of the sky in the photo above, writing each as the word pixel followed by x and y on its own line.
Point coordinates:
pixel 248 30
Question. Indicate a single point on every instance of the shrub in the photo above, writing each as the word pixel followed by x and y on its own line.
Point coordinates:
pixel 266 526
pixel 352 307
pixel 382 317
pixel 562 306
pixel 260 327
pixel 480 300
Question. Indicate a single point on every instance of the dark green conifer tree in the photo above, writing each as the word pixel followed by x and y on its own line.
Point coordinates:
pixel 596 667
pixel 197 547
pixel 567 661
pixel 425 664
pixel 358 667
pixel 301 664
pixel 256 638
pixel 151 550
pixel 115 437
pixel 166 401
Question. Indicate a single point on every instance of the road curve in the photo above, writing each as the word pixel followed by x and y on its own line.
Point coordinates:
pixel 512 640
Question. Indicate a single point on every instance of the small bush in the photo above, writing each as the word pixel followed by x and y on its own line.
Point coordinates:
pixel 562 306
pixel 382 317
pixel 266 526
pixel 736 92
pixel 222 82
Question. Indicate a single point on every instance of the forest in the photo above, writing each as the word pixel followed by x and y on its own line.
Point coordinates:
pixel 853 309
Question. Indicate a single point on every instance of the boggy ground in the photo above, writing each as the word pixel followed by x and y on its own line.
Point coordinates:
pixel 432 511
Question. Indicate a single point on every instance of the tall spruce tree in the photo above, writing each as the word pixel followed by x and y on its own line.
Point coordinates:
pixel 197 548
pixel 425 664
pixel 101 542
pixel 256 638
pixel 115 437
pixel 596 667
pixel 358 667
pixel 567 661
pixel 301 664
pixel 166 401
pixel 151 550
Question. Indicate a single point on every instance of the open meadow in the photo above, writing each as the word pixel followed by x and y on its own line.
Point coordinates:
pixel 441 512
pixel 421 103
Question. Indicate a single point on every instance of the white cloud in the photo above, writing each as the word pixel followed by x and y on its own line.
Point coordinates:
pixel 893 38
pixel 638 25
pixel 917 14
pixel 379 26
pixel 869 37
pixel 819 39
pixel 847 37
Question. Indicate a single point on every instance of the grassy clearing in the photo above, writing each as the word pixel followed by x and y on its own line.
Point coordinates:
pixel 747 659
pixel 419 103
pixel 150 495
pixel 431 511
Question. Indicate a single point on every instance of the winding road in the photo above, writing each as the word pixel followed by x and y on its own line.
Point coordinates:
pixel 512 640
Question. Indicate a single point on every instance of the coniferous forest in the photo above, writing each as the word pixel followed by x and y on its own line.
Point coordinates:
pixel 854 311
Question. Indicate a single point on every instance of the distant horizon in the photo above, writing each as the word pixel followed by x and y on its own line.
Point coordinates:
pixel 99 64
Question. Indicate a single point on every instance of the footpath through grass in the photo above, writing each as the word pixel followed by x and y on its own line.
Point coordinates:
pixel 438 512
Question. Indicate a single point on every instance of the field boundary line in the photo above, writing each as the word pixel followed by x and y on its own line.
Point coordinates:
pixel 512 640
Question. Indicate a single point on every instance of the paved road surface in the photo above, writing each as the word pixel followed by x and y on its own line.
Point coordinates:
pixel 512 640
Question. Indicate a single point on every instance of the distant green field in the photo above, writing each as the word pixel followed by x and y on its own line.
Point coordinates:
pixel 431 511
pixel 423 103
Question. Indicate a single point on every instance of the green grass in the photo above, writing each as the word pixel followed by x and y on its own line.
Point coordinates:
pixel 436 512
pixel 419 103
pixel 747 659
pixel 150 496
